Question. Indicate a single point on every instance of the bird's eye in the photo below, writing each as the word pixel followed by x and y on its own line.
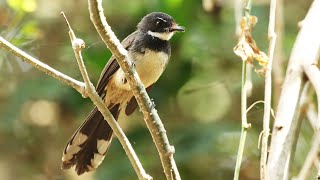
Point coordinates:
pixel 160 21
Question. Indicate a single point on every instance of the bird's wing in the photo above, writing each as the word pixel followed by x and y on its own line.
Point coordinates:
pixel 112 66
pixel 132 104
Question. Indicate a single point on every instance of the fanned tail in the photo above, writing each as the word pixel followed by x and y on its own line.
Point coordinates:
pixel 88 146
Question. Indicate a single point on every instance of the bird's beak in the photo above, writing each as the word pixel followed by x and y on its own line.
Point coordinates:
pixel 176 28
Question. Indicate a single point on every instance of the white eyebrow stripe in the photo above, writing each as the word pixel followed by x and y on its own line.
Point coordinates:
pixel 161 19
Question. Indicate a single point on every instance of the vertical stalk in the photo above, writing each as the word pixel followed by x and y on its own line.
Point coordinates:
pixel 268 91
pixel 244 123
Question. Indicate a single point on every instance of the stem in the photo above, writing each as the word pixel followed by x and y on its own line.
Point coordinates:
pixel 313 75
pixel 244 95
pixel 245 125
pixel 238 15
pixel 247 10
pixel 267 92
pixel 278 65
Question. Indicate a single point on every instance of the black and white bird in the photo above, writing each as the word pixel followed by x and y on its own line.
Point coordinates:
pixel 149 49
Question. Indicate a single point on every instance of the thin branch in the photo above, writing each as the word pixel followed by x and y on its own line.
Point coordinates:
pixel 245 124
pixel 257 102
pixel 313 75
pixel 238 13
pixel 312 155
pixel 77 85
pixel 237 16
pixel 305 51
pixel 247 9
pixel 267 92
pixel 151 116
pixel 312 116
pixel 252 105
pixel 249 84
pixel 277 66
pixel 78 45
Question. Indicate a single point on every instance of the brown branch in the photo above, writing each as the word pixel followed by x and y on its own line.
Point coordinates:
pixel 305 50
pixel 151 116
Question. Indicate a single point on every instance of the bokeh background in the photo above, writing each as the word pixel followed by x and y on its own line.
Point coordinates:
pixel 198 96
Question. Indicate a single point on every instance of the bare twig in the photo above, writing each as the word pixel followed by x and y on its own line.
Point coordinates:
pixel 151 116
pixel 77 85
pixel 305 51
pixel 277 65
pixel 238 10
pixel 245 124
pixel 252 105
pixel 267 92
pixel 312 117
pixel 313 75
pixel 249 84
pixel 77 45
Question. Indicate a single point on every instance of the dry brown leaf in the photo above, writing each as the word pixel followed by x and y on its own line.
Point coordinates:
pixel 247 48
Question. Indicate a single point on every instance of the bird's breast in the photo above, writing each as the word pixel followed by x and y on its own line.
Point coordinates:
pixel 149 65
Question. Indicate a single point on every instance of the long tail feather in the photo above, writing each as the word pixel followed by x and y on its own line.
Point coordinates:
pixel 88 146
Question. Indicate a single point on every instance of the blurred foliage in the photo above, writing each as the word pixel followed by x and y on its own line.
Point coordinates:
pixel 198 96
pixel 22 5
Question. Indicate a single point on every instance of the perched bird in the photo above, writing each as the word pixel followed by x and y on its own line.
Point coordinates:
pixel 149 49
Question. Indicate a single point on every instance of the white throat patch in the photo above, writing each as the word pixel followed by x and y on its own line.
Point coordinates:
pixel 163 36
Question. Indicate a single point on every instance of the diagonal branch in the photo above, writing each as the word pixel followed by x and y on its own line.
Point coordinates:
pixel 310 159
pixel 150 114
pixel 313 75
pixel 77 85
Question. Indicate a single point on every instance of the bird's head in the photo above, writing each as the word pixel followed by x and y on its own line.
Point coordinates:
pixel 160 25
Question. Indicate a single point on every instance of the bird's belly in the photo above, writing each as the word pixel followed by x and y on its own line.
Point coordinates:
pixel 149 66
